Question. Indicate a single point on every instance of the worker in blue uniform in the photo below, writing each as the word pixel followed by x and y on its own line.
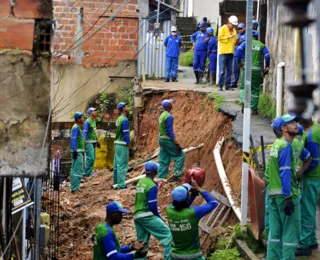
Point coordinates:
pixel 255 25
pixel 241 39
pixel 200 41
pixel 212 54
pixel 205 20
pixel 173 44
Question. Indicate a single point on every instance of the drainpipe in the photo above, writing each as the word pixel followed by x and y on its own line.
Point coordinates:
pixel 280 73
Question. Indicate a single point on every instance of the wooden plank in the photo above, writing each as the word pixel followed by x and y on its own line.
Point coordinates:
pixel 218 216
pixel 220 198
pixel 225 217
pixel 212 214
pixel 205 228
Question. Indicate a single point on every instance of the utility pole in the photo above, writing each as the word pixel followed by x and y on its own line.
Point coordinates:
pixel 247 117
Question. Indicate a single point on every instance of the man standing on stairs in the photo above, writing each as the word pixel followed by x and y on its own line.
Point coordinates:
pixel 258 49
pixel 212 54
pixel 284 204
pixel 310 185
pixel 227 40
pixel 169 146
pixel 121 150
pixel 200 41
pixel 173 44
pixel 147 219
pixel 91 140
pixel 77 152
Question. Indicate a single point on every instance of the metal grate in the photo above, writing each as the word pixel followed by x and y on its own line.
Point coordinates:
pixel 42 36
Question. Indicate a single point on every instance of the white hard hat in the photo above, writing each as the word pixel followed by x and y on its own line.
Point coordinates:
pixel 173 29
pixel 233 20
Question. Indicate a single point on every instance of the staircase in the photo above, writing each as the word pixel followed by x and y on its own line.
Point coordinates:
pixel 186 26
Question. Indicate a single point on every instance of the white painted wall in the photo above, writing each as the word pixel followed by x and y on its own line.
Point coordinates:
pixel 206 8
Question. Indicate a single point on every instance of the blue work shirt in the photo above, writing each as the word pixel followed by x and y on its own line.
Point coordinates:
pixel 242 38
pixel 199 37
pixel 213 44
pixel 173 46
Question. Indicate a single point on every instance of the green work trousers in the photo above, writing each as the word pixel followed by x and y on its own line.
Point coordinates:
pixel 266 212
pixel 120 165
pixel 198 258
pixel 256 81
pixel 309 200
pixel 90 158
pixel 76 172
pixel 154 226
pixel 284 230
pixel 168 150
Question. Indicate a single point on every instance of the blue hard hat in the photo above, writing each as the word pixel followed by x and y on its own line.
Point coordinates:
pixel 152 166
pixel 115 206
pixel 77 115
pixel 180 193
pixel 255 22
pixel 255 33
pixel 209 30
pixel 241 25
pixel 300 130
pixel 121 105
pixel 279 121
pixel 202 24
pixel 165 103
pixel 90 110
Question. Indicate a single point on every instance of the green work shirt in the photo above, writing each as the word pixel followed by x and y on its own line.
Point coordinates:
pixel 312 138
pixel 90 131
pixel 184 229
pixel 141 208
pixel 77 142
pixel 98 248
pixel 257 48
pixel 162 124
pixel 275 184
pixel 119 129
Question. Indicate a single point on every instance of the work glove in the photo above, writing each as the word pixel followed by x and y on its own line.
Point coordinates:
pixel 138 245
pixel 288 207
pixel 75 155
pixel 140 254
pixel 98 145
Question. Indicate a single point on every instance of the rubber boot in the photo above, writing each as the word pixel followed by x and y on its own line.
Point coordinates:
pixel 200 77
pixel 303 252
pixel 174 80
pixel 213 79
pixel 196 73
pixel 167 80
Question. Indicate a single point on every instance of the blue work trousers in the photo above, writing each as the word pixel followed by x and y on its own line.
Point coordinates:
pixel 213 62
pixel 225 63
pixel 199 60
pixel 171 67
pixel 236 72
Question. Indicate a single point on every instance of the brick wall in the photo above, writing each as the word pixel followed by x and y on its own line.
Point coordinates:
pixel 118 40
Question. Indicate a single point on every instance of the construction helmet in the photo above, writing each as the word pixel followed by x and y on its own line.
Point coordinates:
pixel 197 174
pixel 255 33
pixel 233 20
pixel 210 30
pixel 203 24
pixel 173 29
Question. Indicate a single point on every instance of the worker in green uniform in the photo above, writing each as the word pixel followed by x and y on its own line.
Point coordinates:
pixel 301 154
pixel 258 49
pixel 121 154
pixel 146 216
pixel 310 185
pixel 91 140
pixel 169 146
pixel 284 204
pixel 106 243
pixel 77 152
pixel 183 221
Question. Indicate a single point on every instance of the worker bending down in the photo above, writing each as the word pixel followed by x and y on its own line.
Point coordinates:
pixel 183 220
pixel 169 146
pixel 106 243
pixel 146 216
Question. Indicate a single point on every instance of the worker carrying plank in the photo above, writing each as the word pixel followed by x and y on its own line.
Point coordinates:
pixel 183 220
pixel 146 217
pixel 121 150
pixel 169 146
pixel 77 151
pixel 106 242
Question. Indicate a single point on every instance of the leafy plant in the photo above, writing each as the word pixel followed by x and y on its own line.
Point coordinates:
pixel 227 254
pixel 218 100
pixel 266 107
pixel 186 58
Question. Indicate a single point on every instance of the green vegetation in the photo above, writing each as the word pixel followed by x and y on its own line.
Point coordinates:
pixel 218 100
pixel 266 107
pixel 226 254
pixel 186 58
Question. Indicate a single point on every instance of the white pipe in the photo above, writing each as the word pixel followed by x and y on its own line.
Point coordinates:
pixel 280 69
pixel 224 178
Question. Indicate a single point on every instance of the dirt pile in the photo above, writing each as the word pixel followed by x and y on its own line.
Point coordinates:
pixel 195 122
